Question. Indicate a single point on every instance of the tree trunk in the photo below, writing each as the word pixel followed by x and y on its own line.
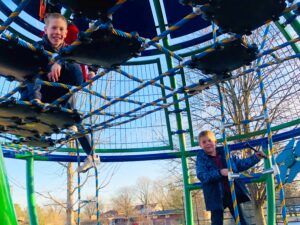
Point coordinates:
pixel 70 195
pixel 259 215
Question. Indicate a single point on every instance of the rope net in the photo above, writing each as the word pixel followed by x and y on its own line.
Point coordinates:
pixel 280 87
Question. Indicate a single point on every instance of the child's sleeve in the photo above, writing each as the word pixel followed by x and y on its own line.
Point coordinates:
pixel 204 174
pixel 245 164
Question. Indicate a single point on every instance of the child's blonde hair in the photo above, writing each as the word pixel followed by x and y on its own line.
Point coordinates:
pixel 207 133
pixel 50 16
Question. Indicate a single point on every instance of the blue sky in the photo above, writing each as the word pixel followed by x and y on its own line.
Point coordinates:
pixel 49 178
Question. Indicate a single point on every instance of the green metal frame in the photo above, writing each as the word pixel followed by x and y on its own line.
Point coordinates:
pixel 166 109
pixel 259 132
pixel 188 153
pixel 287 35
pixel 117 150
pixel 30 191
pixel 270 187
pixel 295 24
pixel 188 111
pixel 181 137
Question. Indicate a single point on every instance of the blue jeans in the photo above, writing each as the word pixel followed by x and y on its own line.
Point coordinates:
pixel 70 74
pixel 217 216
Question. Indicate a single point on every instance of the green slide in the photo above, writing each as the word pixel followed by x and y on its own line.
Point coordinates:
pixel 7 212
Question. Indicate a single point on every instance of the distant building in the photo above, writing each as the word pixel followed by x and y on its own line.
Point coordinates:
pixel 167 217
pixel 144 209
pixel 147 215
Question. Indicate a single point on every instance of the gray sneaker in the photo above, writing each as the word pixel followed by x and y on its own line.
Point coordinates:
pixel 89 163
pixel 73 129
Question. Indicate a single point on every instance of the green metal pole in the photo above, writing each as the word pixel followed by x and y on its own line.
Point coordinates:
pixel 165 109
pixel 7 212
pixel 188 111
pixel 270 180
pixel 287 36
pixel 295 24
pixel 270 186
pixel 30 191
pixel 182 144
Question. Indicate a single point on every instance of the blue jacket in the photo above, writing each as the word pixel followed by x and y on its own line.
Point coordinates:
pixel 209 175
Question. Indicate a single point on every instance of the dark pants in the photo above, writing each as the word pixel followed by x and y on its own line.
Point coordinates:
pixel 217 216
pixel 70 74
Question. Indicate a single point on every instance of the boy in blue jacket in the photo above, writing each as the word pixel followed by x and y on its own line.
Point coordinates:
pixel 212 171
pixel 61 72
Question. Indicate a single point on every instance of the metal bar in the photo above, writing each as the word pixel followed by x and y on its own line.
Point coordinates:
pixel 139 80
pixel 30 191
pixel 11 151
pixel 228 161
pixel 252 119
pixel 182 143
pixel 66 86
pixel 13 15
pixel 163 92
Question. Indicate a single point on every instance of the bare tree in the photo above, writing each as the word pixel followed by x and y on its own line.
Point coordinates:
pixel 175 196
pixel 70 194
pixel 143 190
pixel 168 194
pixel 160 193
pixel 90 208
pixel 123 202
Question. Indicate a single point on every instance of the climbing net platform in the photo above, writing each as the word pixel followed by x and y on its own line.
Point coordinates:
pixel 230 66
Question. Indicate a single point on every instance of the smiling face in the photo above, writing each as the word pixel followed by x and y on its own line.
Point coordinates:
pixel 208 142
pixel 56 31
